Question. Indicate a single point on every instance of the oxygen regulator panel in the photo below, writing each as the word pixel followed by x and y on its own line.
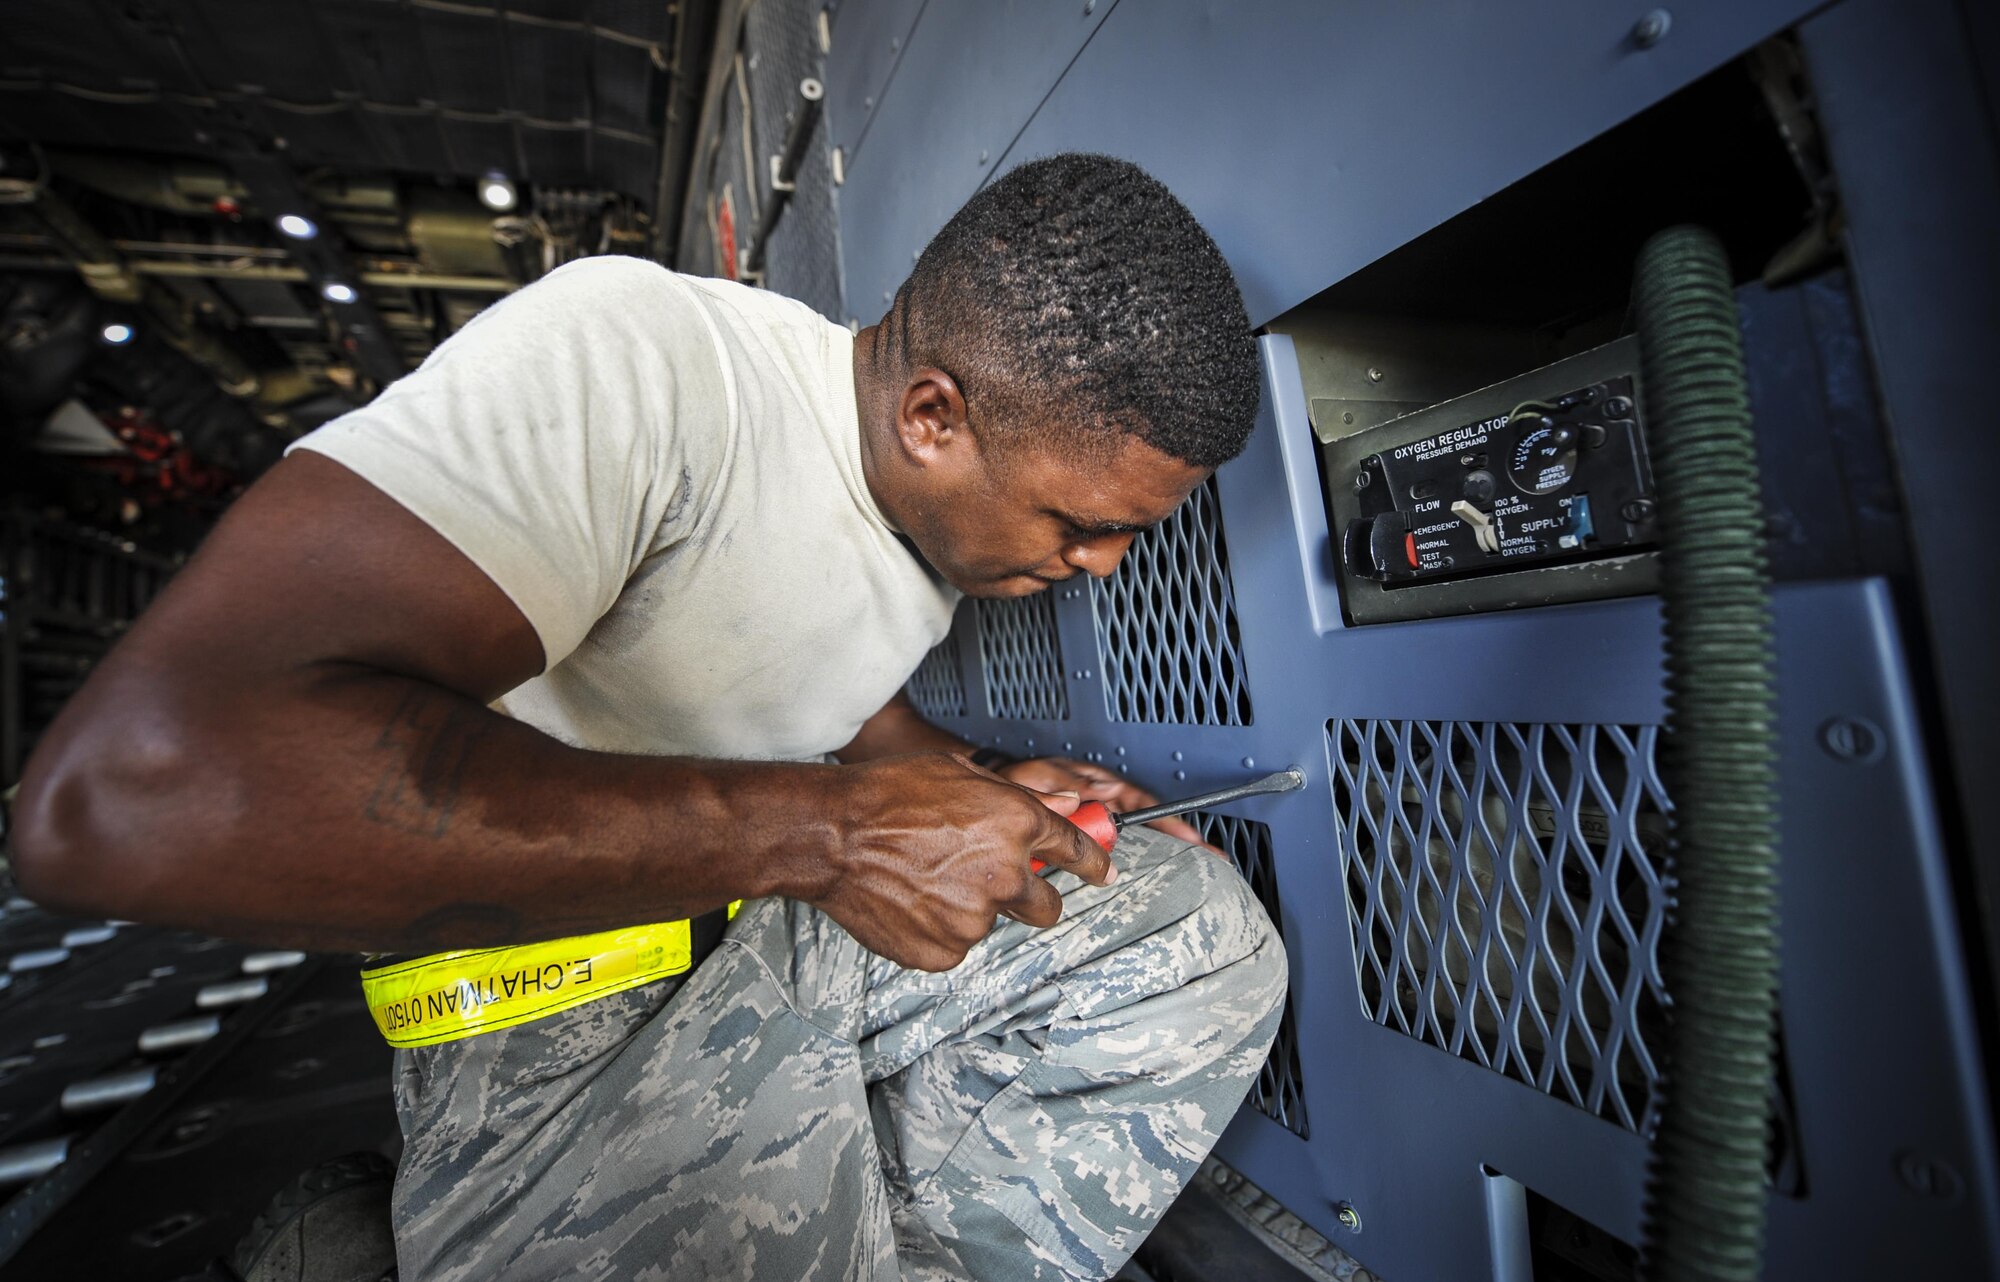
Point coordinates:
pixel 1529 492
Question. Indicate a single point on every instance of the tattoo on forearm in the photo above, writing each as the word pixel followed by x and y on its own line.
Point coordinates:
pixel 428 740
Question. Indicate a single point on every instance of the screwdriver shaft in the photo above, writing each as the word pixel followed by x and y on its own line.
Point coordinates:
pixel 1281 781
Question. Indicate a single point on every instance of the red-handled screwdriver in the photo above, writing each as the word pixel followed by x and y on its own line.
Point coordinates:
pixel 1101 825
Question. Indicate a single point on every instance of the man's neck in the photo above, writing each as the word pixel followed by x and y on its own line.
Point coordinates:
pixel 870 398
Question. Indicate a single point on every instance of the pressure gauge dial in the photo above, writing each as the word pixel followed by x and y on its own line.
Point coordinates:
pixel 1543 458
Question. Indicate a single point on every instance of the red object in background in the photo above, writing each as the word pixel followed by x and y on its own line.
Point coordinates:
pixel 159 467
pixel 227 206
pixel 725 233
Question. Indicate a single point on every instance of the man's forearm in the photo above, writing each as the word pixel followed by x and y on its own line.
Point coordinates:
pixel 363 810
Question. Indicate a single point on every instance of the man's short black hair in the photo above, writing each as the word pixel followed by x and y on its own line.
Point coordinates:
pixel 1076 295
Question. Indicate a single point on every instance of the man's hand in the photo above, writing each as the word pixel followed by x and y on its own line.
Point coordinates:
pixel 1095 783
pixel 929 849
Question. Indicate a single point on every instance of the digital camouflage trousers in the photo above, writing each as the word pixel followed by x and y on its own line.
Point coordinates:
pixel 799 1108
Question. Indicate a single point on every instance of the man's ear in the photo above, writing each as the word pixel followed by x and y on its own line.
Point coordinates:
pixel 930 417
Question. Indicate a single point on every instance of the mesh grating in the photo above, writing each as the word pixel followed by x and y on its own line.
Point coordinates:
pixel 1166 624
pixel 1525 936
pixel 1276 1093
pixel 936 687
pixel 781 40
pixel 1021 657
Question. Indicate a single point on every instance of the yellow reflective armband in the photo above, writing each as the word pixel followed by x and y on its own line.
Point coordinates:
pixel 446 996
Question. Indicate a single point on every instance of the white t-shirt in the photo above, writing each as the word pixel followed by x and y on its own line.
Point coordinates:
pixel 664 474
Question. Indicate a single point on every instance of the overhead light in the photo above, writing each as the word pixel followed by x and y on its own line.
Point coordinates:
pixel 116 335
pixel 496 192
pixel 298 226
pixel 335 292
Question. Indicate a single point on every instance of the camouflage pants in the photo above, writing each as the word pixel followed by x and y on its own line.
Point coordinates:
pixel 799 1108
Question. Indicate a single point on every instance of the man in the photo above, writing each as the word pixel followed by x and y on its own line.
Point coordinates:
pixel 686 539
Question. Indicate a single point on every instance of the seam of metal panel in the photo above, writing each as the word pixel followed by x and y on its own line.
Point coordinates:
pixel 1289 419
pixel 1856 52
pixel 1954 983
pixel 882 94
pixel 1983 88
pixel 1000 162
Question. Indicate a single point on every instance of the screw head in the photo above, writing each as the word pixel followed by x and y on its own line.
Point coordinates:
pixel 1349 1217
pixel 1249 763
pixel 1374 375
pixel 1652 28
pixel 1930 1176
pixel 1638 510
pixel 1855 739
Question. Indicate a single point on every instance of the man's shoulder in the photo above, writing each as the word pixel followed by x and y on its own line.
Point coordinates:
pixel 625 291
pixel 753 306
pixel 607 283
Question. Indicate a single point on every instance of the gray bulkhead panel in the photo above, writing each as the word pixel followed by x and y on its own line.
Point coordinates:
pixel 1312 139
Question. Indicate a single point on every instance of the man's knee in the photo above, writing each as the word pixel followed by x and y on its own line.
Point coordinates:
pixel 1249 954
pixel 1199 924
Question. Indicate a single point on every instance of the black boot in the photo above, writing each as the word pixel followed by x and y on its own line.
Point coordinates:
pixel 329 1225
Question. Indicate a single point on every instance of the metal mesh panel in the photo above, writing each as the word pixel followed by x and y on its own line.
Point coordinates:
pixel 1166 624
pixel 1506 887
pixel 781 42
pixel 937 688
pixel 1021 657
pixel 1276 1093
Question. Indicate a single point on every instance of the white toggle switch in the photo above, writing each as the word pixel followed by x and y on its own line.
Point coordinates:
pixel 1483 531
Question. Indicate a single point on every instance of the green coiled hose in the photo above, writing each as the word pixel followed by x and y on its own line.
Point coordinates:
pixel 1705 1198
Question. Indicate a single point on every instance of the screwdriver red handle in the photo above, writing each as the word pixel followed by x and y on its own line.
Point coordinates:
pixel 1097 824
pixel 1101 826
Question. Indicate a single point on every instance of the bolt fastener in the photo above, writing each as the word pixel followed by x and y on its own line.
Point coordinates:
pixel 1854 739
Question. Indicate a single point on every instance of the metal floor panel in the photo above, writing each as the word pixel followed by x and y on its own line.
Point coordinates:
pixel 290 1072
